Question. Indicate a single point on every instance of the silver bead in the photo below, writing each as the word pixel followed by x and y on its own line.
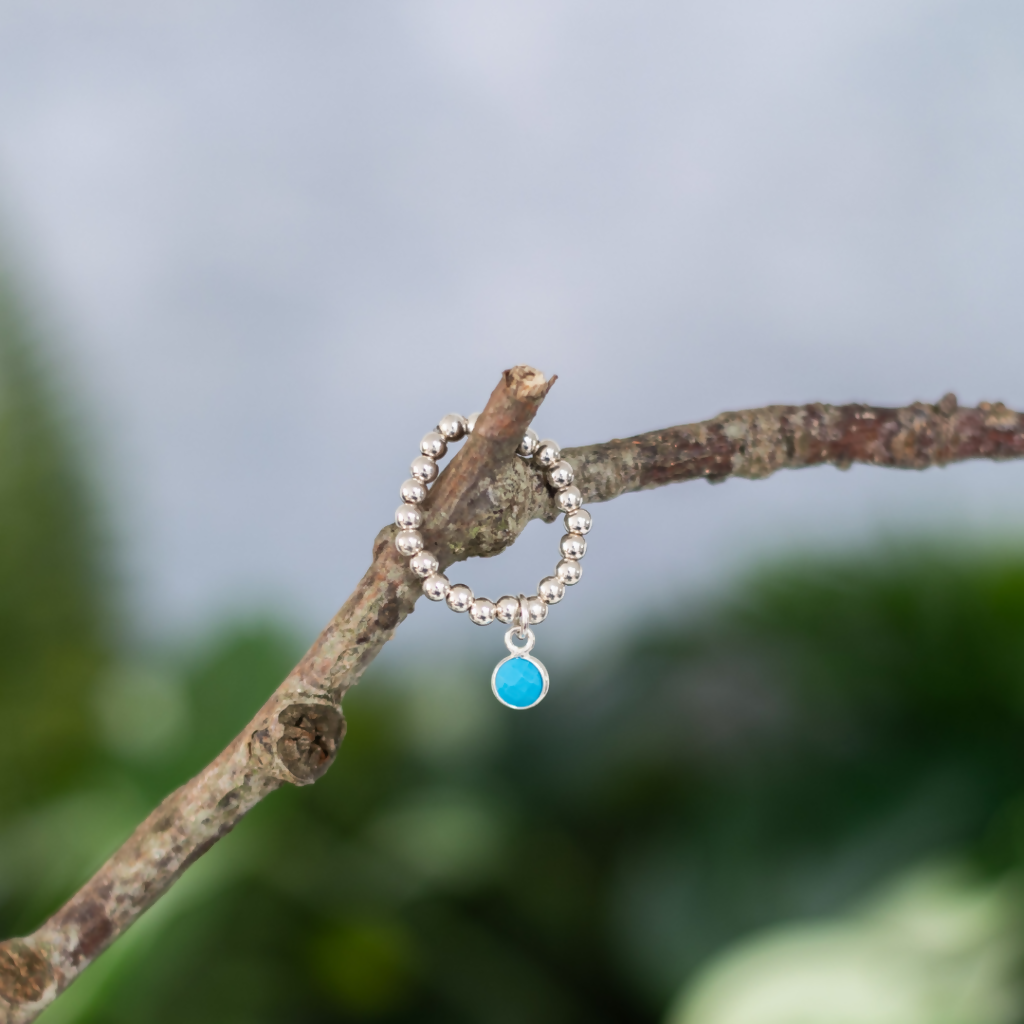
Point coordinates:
pixel 423 469
pixel 482 611
pixel 567 571
pixel 408 517
pixel 413 492
pixel 547 454
pixel 551 590
pixel 423 563
pixel 460 597
pixel 453 426
pixel 578 521
pixel 573 546
pixel 436 587
pixel 409 542
pixel 560 474
pixel 471 422
pixel 434 445
pixel 568 499
pixel 528 445
pixel 507 609
pixel 536 609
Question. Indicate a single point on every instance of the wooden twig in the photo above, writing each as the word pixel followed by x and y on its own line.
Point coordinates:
pixel 478 506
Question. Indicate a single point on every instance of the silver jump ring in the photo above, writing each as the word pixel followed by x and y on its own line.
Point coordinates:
pixel 524 617
pixel 511 644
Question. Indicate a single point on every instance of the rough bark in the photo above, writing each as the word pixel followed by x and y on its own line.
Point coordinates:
pixel 478 506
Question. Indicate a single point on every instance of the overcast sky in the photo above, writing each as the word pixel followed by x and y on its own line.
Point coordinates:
pixel 276 241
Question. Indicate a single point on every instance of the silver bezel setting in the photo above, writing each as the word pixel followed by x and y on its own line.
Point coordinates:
pixel 543 674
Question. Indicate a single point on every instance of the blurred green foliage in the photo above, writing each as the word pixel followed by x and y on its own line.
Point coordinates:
pixel 770 758
pixel 52 612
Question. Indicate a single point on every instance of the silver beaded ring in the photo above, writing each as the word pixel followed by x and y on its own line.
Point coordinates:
pixel 520 680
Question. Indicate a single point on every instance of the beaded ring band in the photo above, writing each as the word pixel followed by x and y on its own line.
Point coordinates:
pixel 520 680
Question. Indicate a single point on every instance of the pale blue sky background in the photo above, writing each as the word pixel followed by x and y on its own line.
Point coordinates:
pixel 277 240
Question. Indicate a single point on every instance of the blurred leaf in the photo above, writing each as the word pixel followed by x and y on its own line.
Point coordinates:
pixel 936 947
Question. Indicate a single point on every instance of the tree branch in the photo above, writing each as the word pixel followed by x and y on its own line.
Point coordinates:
pixel 478 506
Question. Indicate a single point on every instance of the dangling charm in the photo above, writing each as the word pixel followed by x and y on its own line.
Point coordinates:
pixel 520 681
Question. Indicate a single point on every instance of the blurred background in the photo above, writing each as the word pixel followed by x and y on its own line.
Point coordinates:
pixel 250 253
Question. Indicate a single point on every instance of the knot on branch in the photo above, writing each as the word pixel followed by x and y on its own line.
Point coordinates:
pixel 25 974
pixel 310 739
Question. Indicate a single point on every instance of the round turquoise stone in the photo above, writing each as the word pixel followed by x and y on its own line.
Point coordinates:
pixel 518 682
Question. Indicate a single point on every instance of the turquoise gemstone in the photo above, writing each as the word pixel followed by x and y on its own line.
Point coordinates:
pixel 518 682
